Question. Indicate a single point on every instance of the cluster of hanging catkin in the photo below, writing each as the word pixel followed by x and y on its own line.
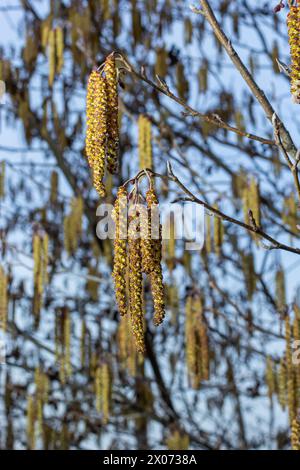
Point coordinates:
pixel 196 340
pixel 138 250
pixel 102 135
pixel 52 41
pixel 293 24
pixel 284 380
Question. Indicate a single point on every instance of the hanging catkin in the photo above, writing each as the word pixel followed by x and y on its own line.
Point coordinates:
pixel 103 390
pixel 145 142
pixel 295 434
pixel 96 133
pixel 40 258
pixel 59 42
pixel 136 282
pixel 112 114
pixel 293 24
pixel 120 256
pixel 51 56
pixel 218 234
pixel 54 188
pixel 156 276
pixel 193 361
pixel 31 416
pixel 280 289
pixel 3 299
pixel 270 377
pixel 2 180
pixel 282 384
pixel 291 392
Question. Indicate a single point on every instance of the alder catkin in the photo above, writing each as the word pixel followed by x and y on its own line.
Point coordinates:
pixel 51 56
pixel 31 416
pixel 136 283
pixel 112 114
pixel 59 42
pixel 96 133
pixel 156 276
pixel 3 299
pixel 120 253
pixel 295 434
pixel 293 24
pixel 103 390
pixel 2 180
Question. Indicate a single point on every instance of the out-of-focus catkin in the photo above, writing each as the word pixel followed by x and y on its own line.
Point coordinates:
pixel 3 299
pixel 145 142
pixel 103 390
pixel 293 24
pixel 40 275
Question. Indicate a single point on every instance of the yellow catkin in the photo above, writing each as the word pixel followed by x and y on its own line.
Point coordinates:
pixel 197 347
pixel 59 42
pixel 96 133
pixel 291 392
pixel 67 343
pixel 145 142
pixel 293 24
pixel 2 180
pixel 270 377
pixel 51 56
pixel 156 276
pixel 127 349
pixel 112 101
pixel 3 299
pixel 254 200
pixel 296 337
pixel 282 384
pixel 37 274
pixel 103 390
pixel 178 441
pixel 136 282
pixel 120 255
pixel 203 336
pixel 148 261
pixel 192 347
pixel 295 434
pixel 31 416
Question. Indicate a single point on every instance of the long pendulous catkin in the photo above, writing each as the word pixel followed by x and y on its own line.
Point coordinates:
pixel 96 133
pixel 136 282
pixel 3 299
pixel 112 114
pixel 120 258
pixel 293 24
pixel 156 276
pixel 145 142
pixel 103 390
pixel 295 434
